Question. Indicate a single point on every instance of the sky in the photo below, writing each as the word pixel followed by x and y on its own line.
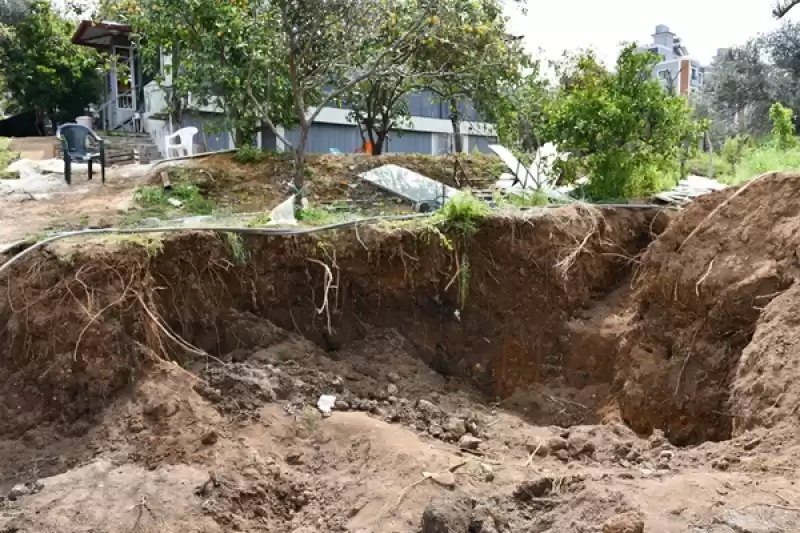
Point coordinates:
pixel 703 25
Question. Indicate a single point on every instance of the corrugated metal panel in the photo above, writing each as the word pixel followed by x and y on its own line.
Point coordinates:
pixel 410 142
pixel 425 104
pixel 209 135
pixel 323 137
pixel 268 139
pixel 481 144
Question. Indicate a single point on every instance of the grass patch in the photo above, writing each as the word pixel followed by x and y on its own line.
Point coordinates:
pixel 248 155
pixel 462 214
pixel 534 198
pixel 7 156
pixel 316 216
pixel 188 194
pixel 237 248
pixel 260 220
pixel 757 161
pixel 698 166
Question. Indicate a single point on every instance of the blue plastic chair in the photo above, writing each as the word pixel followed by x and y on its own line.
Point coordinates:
pixel 74 146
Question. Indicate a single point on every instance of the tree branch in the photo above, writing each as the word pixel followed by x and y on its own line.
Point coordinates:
pixel 370 72
pixel 783 7
pixel 261 111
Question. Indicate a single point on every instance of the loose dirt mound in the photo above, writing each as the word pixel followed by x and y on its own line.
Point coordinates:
pixel 714 281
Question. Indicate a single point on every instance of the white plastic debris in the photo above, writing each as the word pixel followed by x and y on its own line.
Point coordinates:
pixel 283 214
pixel 174 202
pixel 325 403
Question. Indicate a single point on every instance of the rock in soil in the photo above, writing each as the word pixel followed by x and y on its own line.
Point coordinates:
pixel 447 515
pixel 624 523
pixel 468 442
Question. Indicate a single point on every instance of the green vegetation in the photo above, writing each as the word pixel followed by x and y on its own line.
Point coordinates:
pixel 188 194
pixel 316 216
pixel 44 71
pixel 249 154
pixel 461 214
pixel 238 250
pixel 782 127
pixel 7 156
pixel 626 131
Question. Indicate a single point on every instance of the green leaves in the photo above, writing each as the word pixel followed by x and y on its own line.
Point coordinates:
pixel 43 70
pixel 624 128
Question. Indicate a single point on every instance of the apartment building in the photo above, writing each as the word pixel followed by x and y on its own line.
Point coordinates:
pixel 677 71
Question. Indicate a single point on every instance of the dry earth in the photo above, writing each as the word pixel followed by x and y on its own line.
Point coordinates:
pixel 578 370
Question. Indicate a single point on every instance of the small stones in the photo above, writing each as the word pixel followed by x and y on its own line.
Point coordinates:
pixel 160 409
pixel 578 446
pixel 456 427
pixel 657 439
pixel 720 464
pixel 337 383
pixel 341 405
pixel 556 443
pixel 393 377
pixel 562 455
pixel 624 523
pixel 135 426
pixel 445 479
pixel 488 472
pixel 295 458
pixel 752 443
pixel 539 448
pixel 391 389
pixel 19 490
pixel 468 442
pixel 427 408
pixel 210 437
pixel 447 515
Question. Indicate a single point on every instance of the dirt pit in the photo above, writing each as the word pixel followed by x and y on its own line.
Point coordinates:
pixel 491 381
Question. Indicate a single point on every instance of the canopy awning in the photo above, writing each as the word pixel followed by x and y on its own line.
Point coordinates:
pixel 102 34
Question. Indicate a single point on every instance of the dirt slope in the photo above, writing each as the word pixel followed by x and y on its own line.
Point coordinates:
pixel 714 281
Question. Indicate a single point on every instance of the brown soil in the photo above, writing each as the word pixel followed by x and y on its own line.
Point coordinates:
pixel 484 383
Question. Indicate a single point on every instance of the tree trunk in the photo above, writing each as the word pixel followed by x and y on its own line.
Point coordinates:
pixel 455 120
pixel 377 146
pixel 710 156
pixel 300 167
pixel 175 104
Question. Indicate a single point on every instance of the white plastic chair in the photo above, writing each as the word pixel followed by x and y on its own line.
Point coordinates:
pixel 185 144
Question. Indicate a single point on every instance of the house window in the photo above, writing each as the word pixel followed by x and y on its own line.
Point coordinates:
pixel 664 74
pixel 694 74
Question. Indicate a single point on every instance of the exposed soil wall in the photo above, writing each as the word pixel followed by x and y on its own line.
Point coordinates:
pixel 712 282
pixel 493 307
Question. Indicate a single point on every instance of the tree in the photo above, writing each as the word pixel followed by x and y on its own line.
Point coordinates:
pixel 330 44
pixel 206 42
pixel 470 57
pixel 378 106
pixel 13 11
pixel 44 71
pixel 622 126
pixel 783 7
pixel 782 127
pixel 739 92
pixel 518 111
